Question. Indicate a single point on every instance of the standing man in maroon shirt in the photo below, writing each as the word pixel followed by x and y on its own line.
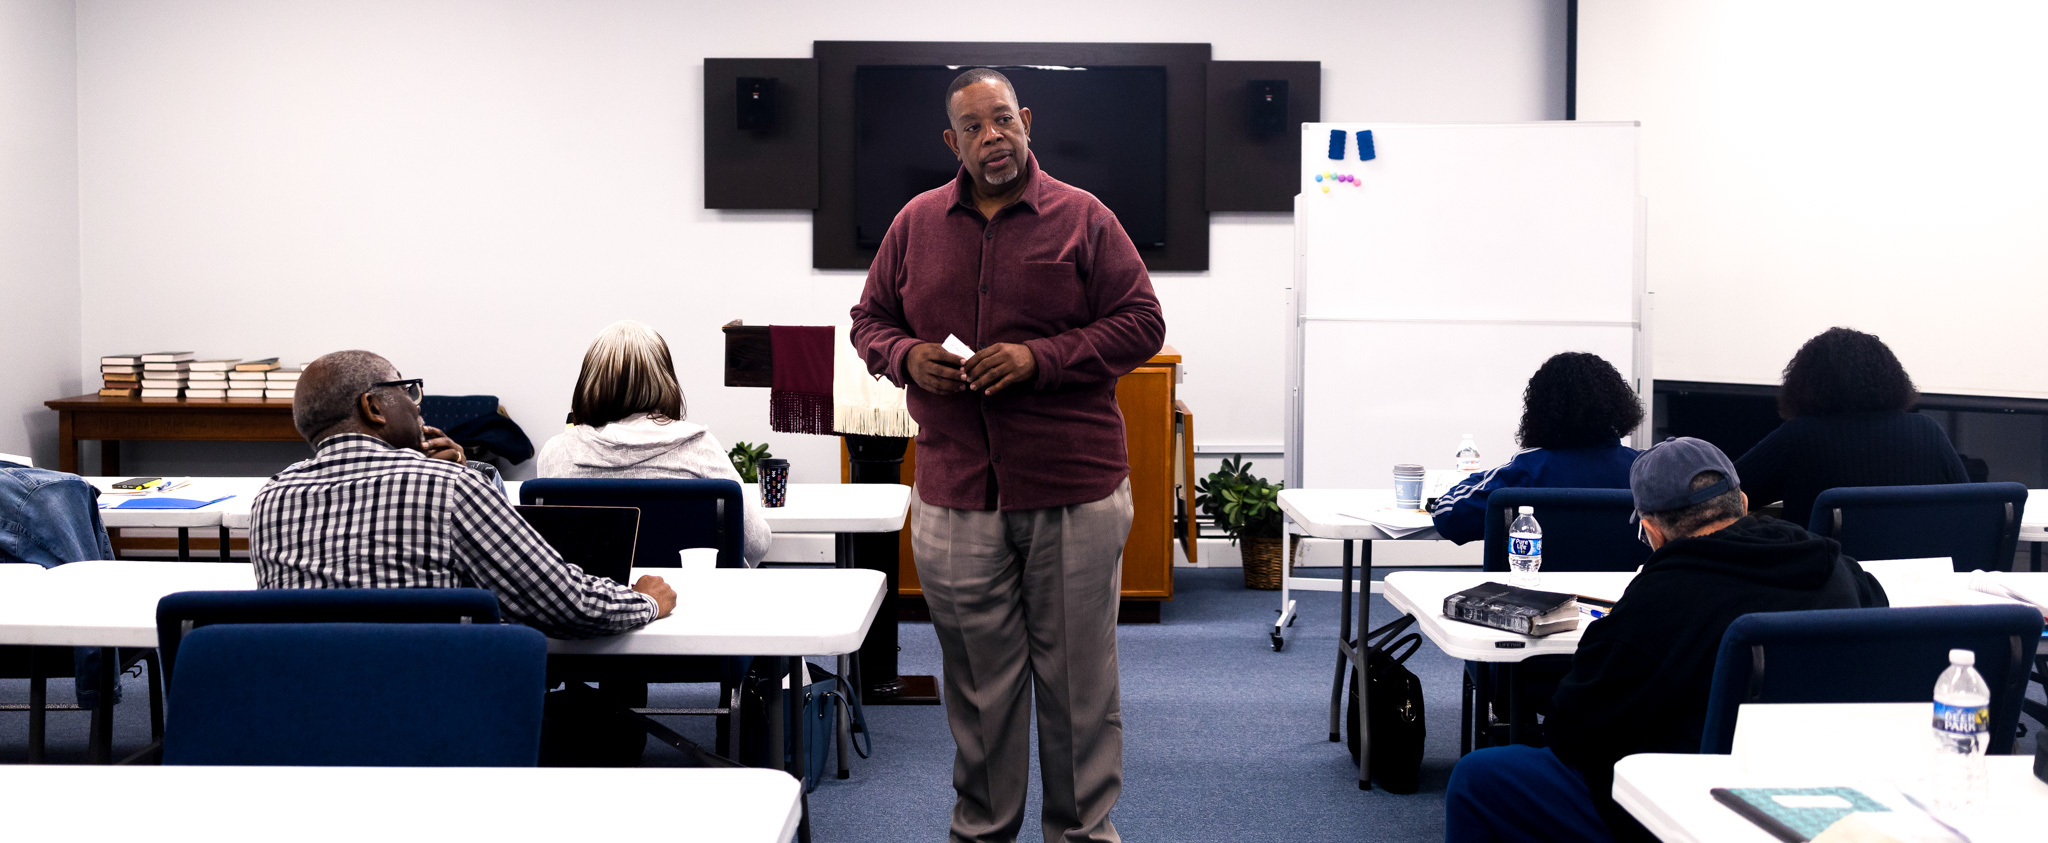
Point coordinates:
pixel 1023 492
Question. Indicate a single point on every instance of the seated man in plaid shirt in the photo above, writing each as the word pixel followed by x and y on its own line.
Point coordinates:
pixel 387 502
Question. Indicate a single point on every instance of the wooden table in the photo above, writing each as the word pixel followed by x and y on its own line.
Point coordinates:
pixel 111 420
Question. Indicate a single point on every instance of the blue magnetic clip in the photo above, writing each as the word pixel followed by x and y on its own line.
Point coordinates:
pixel 1365 151
pixel 1337 144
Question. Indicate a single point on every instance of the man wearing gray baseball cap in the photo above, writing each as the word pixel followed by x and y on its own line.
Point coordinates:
pixel 1640 678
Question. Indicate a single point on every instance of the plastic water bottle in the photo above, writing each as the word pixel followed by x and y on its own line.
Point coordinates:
pixel 1962 731
pixel 1468 455
pixel 1525 551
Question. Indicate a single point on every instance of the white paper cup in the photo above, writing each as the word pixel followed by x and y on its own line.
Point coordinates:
pixel 698 558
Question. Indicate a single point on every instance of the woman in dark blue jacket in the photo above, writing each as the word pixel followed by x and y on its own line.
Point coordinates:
pixel 1574 413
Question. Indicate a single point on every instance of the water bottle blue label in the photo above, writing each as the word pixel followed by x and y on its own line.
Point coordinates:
pixel 1524 546
pixel 1962 719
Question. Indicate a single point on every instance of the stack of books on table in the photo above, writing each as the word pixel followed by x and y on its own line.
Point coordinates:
pixel 121 375
pixel 249 377
pixel 281 383
pixel 158 374
pixel 207 380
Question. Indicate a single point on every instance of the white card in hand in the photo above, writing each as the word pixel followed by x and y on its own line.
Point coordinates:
pixel 958 348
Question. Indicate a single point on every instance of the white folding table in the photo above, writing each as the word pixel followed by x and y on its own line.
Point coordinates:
pixel 1821 745
pixel 777 614
pixel 1320 513
pixel 237 490
pixel 263 804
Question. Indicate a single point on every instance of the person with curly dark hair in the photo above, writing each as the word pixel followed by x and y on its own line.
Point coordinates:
pixel 1575 411
pixel 1847 405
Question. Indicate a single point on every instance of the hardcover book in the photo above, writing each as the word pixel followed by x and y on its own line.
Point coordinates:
pixel 214 365
pixel 245 393
pixel 166 356
pixel 1515 609
pixel 260 365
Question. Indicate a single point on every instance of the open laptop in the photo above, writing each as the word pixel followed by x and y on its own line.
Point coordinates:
pixel 598 539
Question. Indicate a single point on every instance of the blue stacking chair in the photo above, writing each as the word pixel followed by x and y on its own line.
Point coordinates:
pixel 177 615
pixel 1868 656
pixel 1583 530
pixel 347 694
pixel 674 514
pixel 1975 525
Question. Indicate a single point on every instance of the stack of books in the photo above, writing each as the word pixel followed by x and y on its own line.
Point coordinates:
pixel 121 375
pixel 174 374
pixel 163 373
pixel 207 380
pixel 247 379
pixel 281 383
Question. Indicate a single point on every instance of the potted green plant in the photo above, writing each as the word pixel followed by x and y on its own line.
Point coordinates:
pixel 1247 508
pixel 747 459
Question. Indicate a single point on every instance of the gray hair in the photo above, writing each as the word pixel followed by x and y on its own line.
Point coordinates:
pixel 327 394
pixel 1686 521
pixel 627 370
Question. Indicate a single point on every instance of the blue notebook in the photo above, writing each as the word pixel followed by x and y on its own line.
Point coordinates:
pixel 166 503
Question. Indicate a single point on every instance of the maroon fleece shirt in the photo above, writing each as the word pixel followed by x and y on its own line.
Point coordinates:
pixel 1054 271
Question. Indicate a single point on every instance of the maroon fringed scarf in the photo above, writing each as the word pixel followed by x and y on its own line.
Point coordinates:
pixel 801 400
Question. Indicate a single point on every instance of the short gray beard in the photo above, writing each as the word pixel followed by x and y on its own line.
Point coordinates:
pixel 999 181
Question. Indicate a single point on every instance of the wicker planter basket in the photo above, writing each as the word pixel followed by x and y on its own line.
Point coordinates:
pixel 1262 561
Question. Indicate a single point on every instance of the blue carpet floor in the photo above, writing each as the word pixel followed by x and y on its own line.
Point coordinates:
pixel 1225 740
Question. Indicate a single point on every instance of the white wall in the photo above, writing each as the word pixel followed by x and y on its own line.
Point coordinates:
pixel 39 308
pixel 1869 163
pixel 473 188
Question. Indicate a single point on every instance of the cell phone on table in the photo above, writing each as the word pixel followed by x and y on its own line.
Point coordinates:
pixel 139 483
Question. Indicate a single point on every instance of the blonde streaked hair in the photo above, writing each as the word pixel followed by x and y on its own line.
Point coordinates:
pixel 626 371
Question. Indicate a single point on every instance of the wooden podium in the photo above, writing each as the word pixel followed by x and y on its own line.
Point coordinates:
pixel 1159 437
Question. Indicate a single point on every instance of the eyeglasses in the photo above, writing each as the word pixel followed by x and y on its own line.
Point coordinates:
pixel 414 388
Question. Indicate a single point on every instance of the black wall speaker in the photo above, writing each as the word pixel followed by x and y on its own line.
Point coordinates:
pixel 756 105
pixel 1266 106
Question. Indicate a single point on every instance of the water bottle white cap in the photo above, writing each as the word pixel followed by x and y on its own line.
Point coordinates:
pixel 1968 657
pixel 1525 510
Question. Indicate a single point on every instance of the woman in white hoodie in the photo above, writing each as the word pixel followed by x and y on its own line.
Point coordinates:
pixel 627 422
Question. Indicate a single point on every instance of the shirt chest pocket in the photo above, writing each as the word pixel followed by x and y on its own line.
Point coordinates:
pixel 1045 296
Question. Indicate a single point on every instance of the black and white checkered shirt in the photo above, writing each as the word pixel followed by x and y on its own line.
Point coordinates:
pixel 362 514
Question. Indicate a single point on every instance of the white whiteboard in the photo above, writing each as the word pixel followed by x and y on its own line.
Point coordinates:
pixel 1389 392
pixel 1523 221
pixel 1427 292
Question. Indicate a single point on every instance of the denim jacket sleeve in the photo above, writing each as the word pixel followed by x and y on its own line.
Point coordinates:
pixel 49 518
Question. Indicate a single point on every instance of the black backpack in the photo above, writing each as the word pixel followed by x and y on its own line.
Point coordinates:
pixel 1398 724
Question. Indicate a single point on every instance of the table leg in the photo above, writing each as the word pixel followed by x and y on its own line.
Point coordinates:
pixel 101 741
pixel 110 457
pixel 1358 664
pixel 795 724
pixel 224 544
pixel 2035 564
pixel 67 444
pixel 38 705
pixel 184 544
pixel 1343 647
pixel 1507 674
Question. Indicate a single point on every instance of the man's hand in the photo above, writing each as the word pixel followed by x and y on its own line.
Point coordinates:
pixel 1001 366
pixel 437 445
pixel 935 369
pixel 657 588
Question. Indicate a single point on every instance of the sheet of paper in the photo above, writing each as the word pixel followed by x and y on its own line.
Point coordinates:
pixel 1395 522
pixel 958 348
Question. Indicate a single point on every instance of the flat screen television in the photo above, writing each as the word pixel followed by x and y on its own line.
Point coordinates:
pixel 1101 129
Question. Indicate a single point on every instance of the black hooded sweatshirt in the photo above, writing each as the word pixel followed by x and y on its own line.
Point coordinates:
pixel 1640 678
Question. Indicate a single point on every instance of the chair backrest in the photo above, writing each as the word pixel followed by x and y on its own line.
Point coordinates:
pixel 1869 656
pixel 358 695
pixel 1975 525
pixel 674 514
pixel 1583 529
pixel 177 615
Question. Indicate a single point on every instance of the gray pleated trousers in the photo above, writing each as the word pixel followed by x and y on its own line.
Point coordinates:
pixel 1023 602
